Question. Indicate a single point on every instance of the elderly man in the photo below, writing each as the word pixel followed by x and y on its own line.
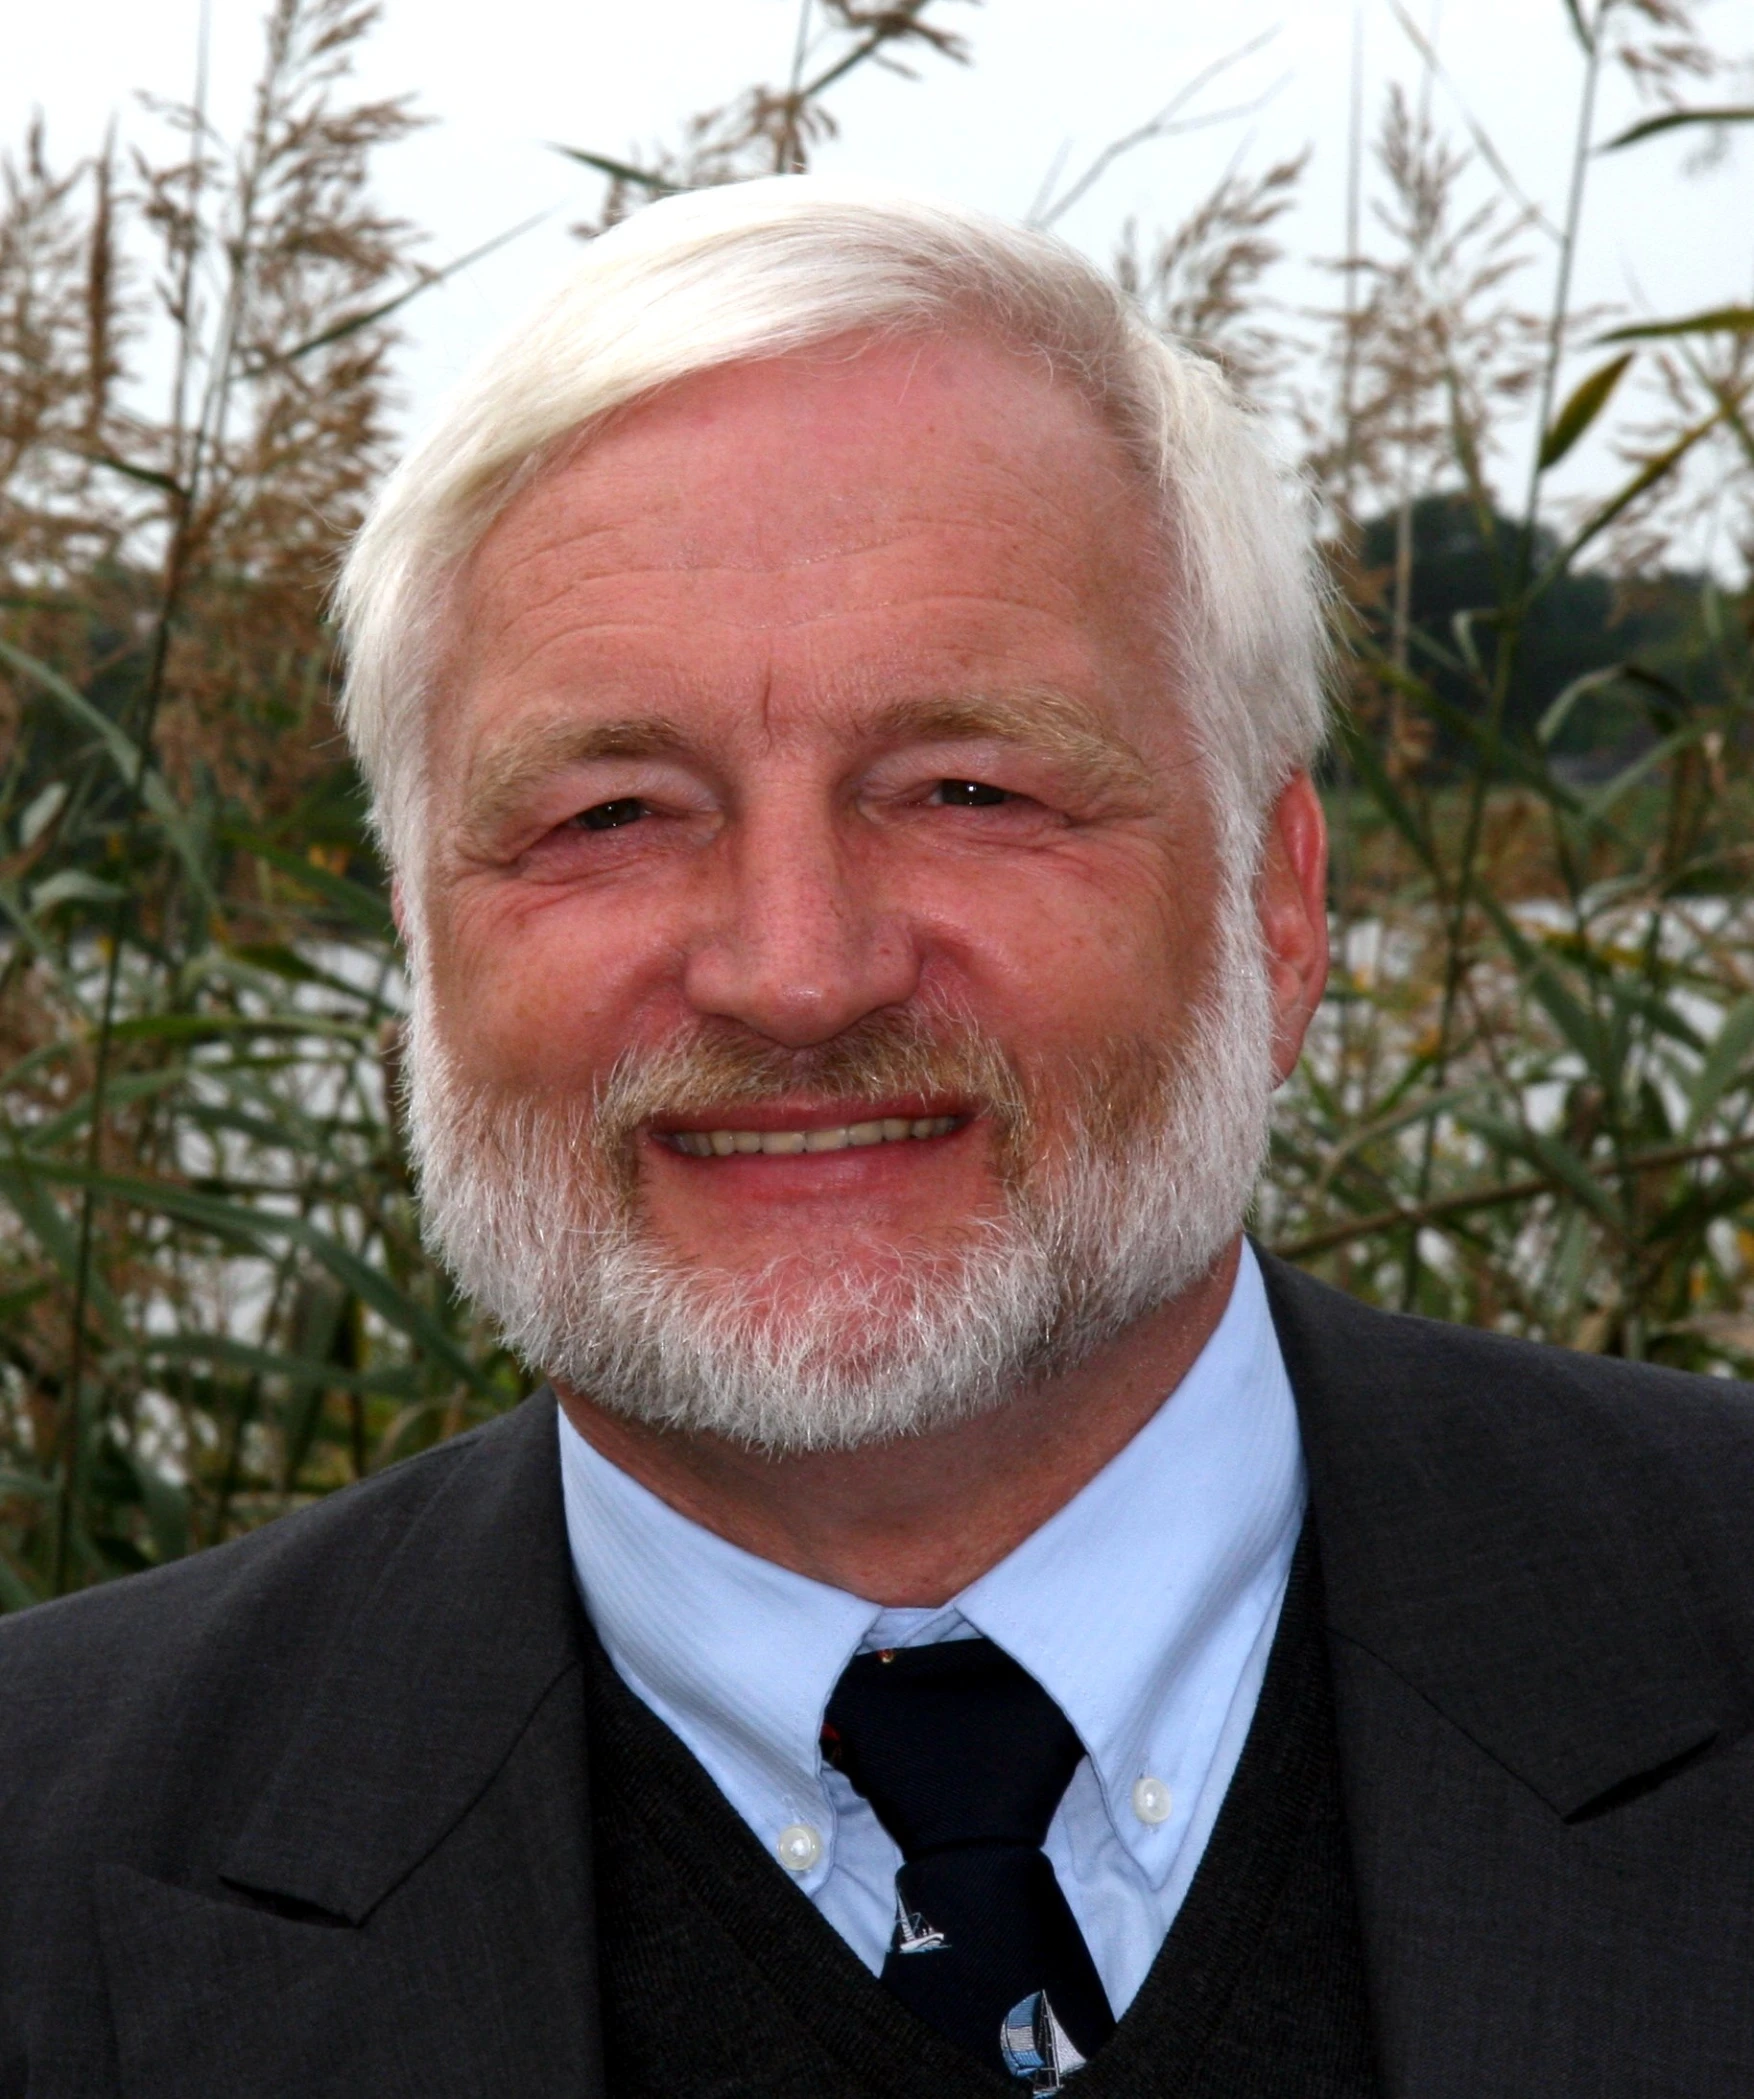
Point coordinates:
pixel 839 695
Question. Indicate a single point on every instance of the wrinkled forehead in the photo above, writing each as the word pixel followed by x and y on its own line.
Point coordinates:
pixel 932 407
pixel 860 485
pixel 1025 400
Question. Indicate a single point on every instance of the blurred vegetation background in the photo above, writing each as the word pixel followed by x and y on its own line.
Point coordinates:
pixel 1528 1103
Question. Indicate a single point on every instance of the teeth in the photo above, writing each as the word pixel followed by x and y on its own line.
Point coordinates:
pixel 893 1129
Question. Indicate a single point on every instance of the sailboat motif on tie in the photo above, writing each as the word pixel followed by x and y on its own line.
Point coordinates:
pixel 1035 2045
pixel 912 1933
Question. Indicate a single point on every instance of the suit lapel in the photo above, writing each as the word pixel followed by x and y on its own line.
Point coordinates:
pixel 1542 1729
pixel 466 1629
pixel 1490 1533
pixel 407 1909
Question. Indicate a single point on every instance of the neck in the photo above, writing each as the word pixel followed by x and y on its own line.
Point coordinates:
pixel 914 1521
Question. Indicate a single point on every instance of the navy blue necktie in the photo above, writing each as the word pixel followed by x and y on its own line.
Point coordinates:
pixel 963 1757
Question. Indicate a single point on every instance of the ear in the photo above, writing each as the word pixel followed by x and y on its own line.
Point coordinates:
pixel 399 907
pixel 1293 895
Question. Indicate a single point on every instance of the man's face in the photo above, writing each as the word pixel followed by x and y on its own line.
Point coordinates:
pixel 815 699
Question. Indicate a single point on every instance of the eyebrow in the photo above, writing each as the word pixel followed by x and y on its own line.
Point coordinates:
pixel 498 783
pixel 1053 723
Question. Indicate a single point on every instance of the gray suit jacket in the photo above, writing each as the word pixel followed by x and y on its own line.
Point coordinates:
pixel 309 1815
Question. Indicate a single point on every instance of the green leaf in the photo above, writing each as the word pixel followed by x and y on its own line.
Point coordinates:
pixel 1647 477
pixel 41 812
pixel 15 1303
pixel 238 1222
pixel 32 1484
pixel 136 772
pixel 269 958
pixel 363 906
pixel 32 935
pixel 166 1504
pixel 392 1380
pixel 279 960
pixel 19 1184
pixel 1724 1063
pixel 621 170
pixel 16 1593
pixel 119 1090
pixel 1552 1156
pixel 43 1058
pixel 1556 716
pixel 1665 702
pixel 73 886
pixel 1716 320
pixel 1629 996
pixel 1503 760
pixel 1585 404
pixel 1673 119
pixel 1575 1022
pixel 1596 807
pixel 1408 1112
pixel 218 1027
pixel 1367 763
pixel 428 280
pixel 148 475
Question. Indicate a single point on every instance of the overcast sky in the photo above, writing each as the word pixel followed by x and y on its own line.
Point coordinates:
pixel 503 77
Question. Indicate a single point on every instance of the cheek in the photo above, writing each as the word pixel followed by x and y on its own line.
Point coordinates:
pixel 539 999
pixel 1061 960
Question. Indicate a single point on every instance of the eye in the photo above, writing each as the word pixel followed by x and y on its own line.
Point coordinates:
pixel 968 794
pixel 611 816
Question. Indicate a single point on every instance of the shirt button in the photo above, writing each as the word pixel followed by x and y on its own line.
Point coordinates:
pixel 800 1847
pixel 1152 1801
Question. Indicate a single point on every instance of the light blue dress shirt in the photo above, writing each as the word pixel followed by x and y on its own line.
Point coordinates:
pixel 1145 1606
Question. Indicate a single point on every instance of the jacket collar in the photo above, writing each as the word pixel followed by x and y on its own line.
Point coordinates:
pixel 469 1623
pixel 1492 1530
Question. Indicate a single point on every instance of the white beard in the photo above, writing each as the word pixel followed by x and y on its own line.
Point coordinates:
pixel 534 1207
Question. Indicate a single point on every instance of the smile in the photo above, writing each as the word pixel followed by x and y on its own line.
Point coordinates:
pixel 893 1129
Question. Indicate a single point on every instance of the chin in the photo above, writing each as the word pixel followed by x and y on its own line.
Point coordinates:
pixel 817 1352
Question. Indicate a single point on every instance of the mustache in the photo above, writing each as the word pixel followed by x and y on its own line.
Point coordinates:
pixel 904 1051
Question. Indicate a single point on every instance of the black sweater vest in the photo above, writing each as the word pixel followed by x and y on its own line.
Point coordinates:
pixel 721 1981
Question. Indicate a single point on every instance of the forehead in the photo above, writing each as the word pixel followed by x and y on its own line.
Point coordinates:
pixel 823 517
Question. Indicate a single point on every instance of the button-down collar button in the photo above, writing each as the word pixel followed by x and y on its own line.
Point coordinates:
pixel 1152 1801
pixel 799 1847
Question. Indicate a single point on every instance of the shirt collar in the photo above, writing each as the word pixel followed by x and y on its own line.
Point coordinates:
pixel 737 1654
pixel 1136 1604
pixel 1115 1605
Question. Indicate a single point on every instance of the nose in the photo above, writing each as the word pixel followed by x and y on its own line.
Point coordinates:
pixel 799 944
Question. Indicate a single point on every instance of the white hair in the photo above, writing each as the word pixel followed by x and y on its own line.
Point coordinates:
pixel 760 269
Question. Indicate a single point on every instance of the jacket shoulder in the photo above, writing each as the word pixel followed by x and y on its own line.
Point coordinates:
pixel 1496 1515
pixel 1425 1375
pixel 215 1646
